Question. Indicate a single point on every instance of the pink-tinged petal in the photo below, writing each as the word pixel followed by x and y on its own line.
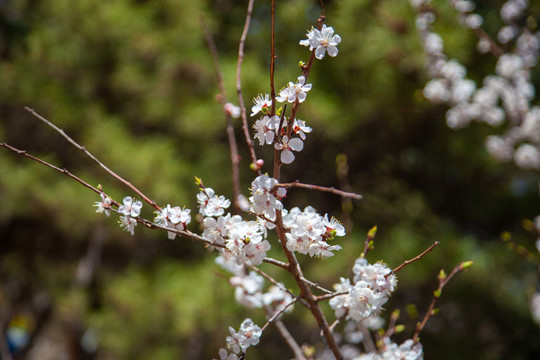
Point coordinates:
pixel 296 144
pixel 287 156
pixel 301 97
pixel 319 52
pixel 278 146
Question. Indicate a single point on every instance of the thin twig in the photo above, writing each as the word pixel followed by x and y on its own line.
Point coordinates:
pixel 277 313
pixel 273 281
pixel 93 158
pixel 233 146
pixel 443 280
pixel 273 58
pixel 286 335
pixel 281 264
pixel 367 339
pixel 331 295
pixel 319 188
pixel 60 170
pixel 245 126
pixel 147 223
pixel 317 286
pixel 407 262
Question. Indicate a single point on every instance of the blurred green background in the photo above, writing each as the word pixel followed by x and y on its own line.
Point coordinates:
pixel 133 81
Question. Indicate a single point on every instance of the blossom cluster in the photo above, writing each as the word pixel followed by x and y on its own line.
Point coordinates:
pixel 310 232
pixel 272 129
pixel 371 286
pixel 173 217
pixel 268 129
pixel 505 95
pixel 248 335
pixel 130 210
pixel 249 289
pixel 408 350
pixel 244 243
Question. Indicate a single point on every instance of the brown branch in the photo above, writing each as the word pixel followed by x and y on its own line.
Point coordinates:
pixel 277 263
pixel 330 296
pixel 286 335
pixel 319 188
pixel 367 340
pixel 93 158
pixel 147 223
pixel 407 262
pixel 277 313
pixel 273 59
pixel 233 146
pixel 60 170
pixel 443 280
pixel 272 280
pixel 316 286
pixel 296 271
pixel 245 126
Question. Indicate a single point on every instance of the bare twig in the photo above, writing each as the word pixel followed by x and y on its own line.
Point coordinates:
pixel 245 126
pixel 286 335
pixel 317 286
pixel 407 262
pixel 93 158
pixel 60 170
pixel 277 313
pixel 273 58
pixel 233 146
pixel 277 263
pixel 367 340
pixel 331 295
pixel 319 188
pixel 443 280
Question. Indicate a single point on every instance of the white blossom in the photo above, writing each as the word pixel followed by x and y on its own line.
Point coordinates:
pixel 261 104
pixel 127 223
pixel 176 217
pixel 287 147
pixel 322 41
pixel 295 92
pixel 104 205
pixel 211 204
pixel 264 199
pixel 266 129
pixel 130 208
pixel 233 110
pixel 248 335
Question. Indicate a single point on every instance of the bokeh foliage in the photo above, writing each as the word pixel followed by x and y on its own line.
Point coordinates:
pixel 133 81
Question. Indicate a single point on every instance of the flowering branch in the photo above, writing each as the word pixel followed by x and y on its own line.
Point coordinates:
pixel 93 158
pixel 319 188
pixel 443 280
